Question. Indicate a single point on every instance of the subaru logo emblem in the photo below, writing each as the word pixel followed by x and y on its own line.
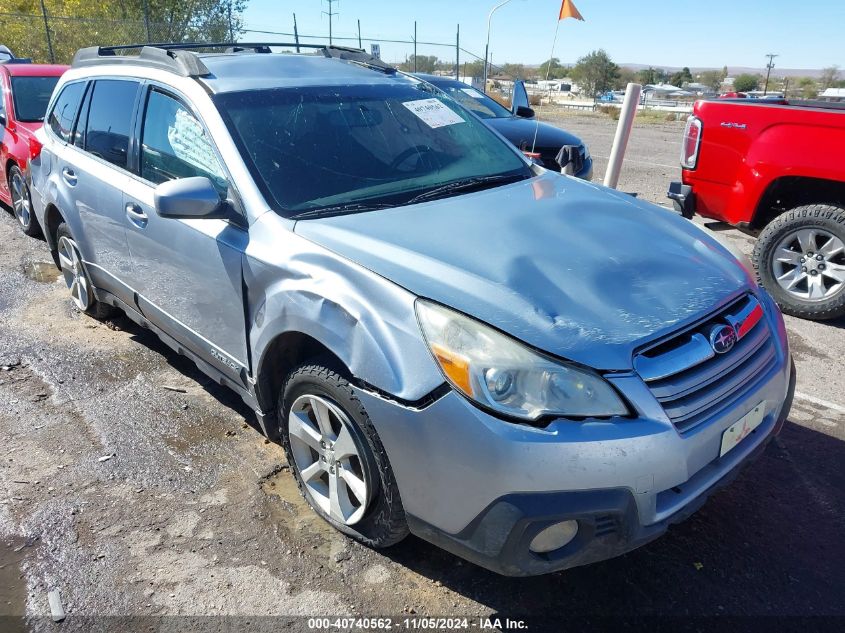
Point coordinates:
pixel 722 338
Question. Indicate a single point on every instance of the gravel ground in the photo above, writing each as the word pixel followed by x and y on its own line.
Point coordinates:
pixel 137 487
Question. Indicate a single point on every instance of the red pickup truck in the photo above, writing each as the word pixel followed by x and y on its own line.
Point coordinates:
pixel 776 170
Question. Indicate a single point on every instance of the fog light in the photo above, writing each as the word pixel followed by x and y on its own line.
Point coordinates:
pixel 554 537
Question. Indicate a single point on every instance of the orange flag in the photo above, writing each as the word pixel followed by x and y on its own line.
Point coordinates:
pixel 568 10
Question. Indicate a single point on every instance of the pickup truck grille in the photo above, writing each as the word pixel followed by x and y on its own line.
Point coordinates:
pixel 691 381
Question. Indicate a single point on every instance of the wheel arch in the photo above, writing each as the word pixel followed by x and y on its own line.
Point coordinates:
pixel 53 218
pixel 788 192
pixel 282 355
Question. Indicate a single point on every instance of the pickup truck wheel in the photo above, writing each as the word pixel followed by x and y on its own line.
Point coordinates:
pixel 800 259
pixel 76 277
pixel 22 202
pixel 337 458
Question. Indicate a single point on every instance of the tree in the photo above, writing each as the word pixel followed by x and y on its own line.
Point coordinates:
pixel 626 76
pixel 553 68
pixel 809 87
pixel 712 79
pixel 517 71
pixel 829 77
pixel 75 24
pixel 746 82
pixel 473 69
pixel 681 77
pixel 651 75
pixel 424 64
pixel 595 73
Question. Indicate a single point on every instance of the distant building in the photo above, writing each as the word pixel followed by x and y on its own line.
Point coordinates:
pixel 833 94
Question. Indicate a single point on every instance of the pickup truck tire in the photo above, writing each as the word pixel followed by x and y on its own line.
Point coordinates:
pixel 336 456
pixel 22 202
pixel 76 277
pixel 805 248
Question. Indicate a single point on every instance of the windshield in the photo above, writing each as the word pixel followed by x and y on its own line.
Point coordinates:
pixel 475 100
pixel 31 96
pixel 386 144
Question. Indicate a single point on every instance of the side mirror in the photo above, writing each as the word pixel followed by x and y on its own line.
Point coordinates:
pixel 3 120
pixel 524 112
pixel 519 97
pixel 187 198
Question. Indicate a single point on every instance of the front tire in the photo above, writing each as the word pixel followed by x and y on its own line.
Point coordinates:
pixel 76 277
pixel 337 458
pixel 800 259
pixel 22 202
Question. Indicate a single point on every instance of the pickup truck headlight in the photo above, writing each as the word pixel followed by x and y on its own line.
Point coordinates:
pixel 502 374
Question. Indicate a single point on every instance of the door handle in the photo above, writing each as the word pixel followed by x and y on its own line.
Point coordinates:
pixel 136 215
pixel 69 176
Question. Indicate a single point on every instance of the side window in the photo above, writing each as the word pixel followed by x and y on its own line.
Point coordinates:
pixel 109 118
pixel 2 100
pixel 175 145
pixel 64 110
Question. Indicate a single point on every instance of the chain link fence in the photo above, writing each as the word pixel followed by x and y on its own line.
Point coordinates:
pixel 54 39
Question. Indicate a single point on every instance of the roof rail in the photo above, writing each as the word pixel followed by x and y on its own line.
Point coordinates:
pixel 182 57
pixel 183 63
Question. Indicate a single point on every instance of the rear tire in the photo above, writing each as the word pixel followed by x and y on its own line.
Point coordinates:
pixel 76 277
pixel 327 434
pixel 22 202
pixel 800 259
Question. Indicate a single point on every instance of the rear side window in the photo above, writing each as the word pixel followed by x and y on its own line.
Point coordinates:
pixel 64 110
pixel 109 120
pixel 174 144
pixel 31 95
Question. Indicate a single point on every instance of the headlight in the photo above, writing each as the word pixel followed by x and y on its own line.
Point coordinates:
pixel 502 374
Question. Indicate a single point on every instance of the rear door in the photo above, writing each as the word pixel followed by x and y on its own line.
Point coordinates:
pixel 188 272
pixel 94 169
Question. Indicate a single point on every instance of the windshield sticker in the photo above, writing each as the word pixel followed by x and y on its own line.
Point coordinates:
pixel 472 92
pixel 433 112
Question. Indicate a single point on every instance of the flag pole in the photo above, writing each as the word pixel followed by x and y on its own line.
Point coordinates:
pixel 552 55
pixel 548 72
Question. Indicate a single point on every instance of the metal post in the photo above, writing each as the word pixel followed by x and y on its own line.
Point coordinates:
pixel 147 20
pixel 47 31
pixel 623 132
pixel 487 46
pixel 415 46
pixel 295 33
pixel 458 54
pixel 359 34
pixel 231 28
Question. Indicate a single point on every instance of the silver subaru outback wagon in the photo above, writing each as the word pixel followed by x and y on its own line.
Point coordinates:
pixel 528 370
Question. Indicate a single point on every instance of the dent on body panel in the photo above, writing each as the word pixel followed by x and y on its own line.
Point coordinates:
pixel 365 320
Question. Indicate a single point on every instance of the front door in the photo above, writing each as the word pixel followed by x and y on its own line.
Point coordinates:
pixel 188 272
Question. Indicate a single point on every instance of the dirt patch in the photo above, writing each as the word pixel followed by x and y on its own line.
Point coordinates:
pixel 41 272
pixel 13 552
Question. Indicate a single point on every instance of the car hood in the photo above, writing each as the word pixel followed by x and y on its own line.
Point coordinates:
pixel 577 270
pixel 520 132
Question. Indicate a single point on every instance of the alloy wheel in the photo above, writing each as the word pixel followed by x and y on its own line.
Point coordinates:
pixel 810 264
pixel 74 273
pixel 328 458
pixel 20 199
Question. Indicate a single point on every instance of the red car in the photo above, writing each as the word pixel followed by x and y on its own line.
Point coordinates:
pixel 775 169
pixel 25 91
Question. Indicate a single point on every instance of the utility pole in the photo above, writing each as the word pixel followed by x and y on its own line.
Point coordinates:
pixel 415 46
pixel 769 67
pixel 295 33
pixel 147 20
pixel 331 15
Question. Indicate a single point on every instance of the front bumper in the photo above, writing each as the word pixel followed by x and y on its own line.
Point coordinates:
pixel 609 523
pixel 683 198
pixel 483 488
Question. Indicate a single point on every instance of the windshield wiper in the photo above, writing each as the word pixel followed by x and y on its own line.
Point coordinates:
pixel 338 209
pixel 468 184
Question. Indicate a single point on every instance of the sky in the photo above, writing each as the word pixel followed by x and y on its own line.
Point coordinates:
pixel 696 33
